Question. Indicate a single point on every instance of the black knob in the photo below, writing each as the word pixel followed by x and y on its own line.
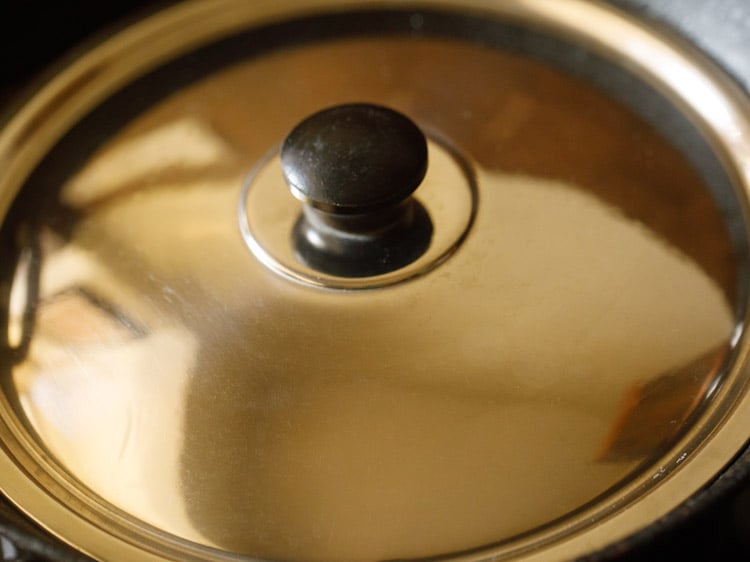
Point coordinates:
pixel 354 159
pixel 354 167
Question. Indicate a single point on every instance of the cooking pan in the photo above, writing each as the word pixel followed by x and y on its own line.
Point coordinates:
pixel 503 387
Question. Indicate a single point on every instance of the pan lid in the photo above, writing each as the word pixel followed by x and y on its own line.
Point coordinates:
pixel 322 280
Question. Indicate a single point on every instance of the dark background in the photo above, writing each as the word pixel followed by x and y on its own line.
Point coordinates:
pixel 37 36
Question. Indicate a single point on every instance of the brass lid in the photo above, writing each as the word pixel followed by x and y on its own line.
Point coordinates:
pixel 559 363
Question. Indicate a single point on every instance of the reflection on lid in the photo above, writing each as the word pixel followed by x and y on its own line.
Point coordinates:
pixel 240 426
pixel 639 429
pixel 183 146
pixel 463 408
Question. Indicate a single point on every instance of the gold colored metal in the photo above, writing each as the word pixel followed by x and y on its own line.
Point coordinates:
pixel 267 215
pixel 579 354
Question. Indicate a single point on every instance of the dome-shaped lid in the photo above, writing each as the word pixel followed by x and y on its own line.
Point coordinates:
pixel 325 280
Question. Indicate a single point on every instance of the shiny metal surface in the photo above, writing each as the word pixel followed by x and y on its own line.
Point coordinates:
pixel 268 215
pixel 190 402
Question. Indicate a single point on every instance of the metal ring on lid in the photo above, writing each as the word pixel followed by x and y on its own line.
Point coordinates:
pixel 361 251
